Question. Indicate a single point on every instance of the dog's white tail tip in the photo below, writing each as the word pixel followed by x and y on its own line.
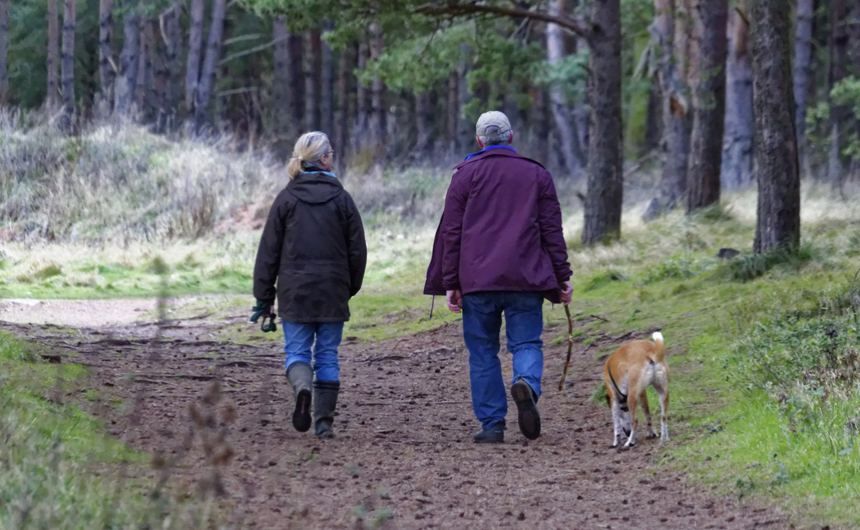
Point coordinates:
pixel 657 336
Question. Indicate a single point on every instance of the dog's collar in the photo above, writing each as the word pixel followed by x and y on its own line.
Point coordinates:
pixel 623 397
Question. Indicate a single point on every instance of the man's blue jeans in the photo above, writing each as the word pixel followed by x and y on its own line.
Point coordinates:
pixel 482 322
pixel 299 337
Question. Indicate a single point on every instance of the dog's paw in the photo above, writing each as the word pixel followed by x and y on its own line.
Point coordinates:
pixel 652 434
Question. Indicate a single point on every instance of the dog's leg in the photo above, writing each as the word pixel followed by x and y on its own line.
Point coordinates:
pixel 616 423
pixel 647 410
pixel 632 402
pixel 664 414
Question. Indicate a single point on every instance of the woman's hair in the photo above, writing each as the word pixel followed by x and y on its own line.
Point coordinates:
pixel 308 151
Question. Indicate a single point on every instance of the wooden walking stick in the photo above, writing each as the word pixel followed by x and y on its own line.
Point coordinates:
pixel 569 347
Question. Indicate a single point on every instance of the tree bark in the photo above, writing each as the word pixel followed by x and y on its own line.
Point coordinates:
pixel 465 126
pixel 605 172
pixel 568 141
pixel 738 139
pixel 360 129
pixel 654 125
pixel 144 68
pixel 670 33
pixel 341 120
pixel 281 85
pixel 327 88
pixel 171 34
pixel 195 47
pixel 296 84
pixel 838 70
pixel 803 74
pixel 424 122
pixel 53 54
pixel 452 111
pixel 776 159
pixel 67 66
pixel 4 46
pixel 210 63
pixel 129 62
pixel 107 74
pixel 709 104
pixel 379 117
pixel 313 81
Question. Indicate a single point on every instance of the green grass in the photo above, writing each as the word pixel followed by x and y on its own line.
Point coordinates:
pixel 58 466
pixel 720 319
pixel 791 438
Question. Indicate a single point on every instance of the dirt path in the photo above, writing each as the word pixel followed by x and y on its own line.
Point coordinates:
pixel 403 457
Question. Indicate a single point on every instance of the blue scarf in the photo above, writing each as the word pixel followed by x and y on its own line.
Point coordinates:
pixel 317 170
pixel 488 148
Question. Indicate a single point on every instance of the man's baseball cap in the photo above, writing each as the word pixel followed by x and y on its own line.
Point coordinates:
pixel 492 123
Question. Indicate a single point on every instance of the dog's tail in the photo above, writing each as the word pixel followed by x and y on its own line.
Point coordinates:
pixel 660 350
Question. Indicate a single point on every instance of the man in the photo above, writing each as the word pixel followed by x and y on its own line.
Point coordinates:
pixel 500 249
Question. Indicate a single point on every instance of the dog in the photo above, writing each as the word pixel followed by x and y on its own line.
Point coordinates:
pixel 628 373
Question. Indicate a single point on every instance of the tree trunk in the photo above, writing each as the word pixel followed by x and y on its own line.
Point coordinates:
pixel 107 74
pixel 568 141
pixel 313 65
pixel 210 63
pixel 453 111
pixel 144 68
pixel 341 120
pixel 838 70
pixel 776 160
pixel 424 122
pixel 803 75
pixel 465 126
pixel 541 117
pixel 670 33
pixel 67 66
pixel 160 74
pixel 195 47
pixel 362 102
pixel 654 124
pixel 738 139
pixel 379 122
pixel 281 85
pixel 327 88
pixel 129 62
pixel 4 45
pixel 171 34
pixel 709 104
pixel 296 85
pixel 605 156
pixel 53 54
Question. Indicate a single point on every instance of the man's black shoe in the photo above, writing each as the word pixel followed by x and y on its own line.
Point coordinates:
pixel 528 416
pixel 494 435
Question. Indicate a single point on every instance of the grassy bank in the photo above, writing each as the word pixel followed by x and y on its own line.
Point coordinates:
pixel 58 466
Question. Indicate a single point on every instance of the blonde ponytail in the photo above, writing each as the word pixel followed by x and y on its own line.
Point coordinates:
pixel 308 151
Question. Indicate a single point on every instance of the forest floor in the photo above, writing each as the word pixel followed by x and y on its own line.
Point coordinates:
pixel 210 396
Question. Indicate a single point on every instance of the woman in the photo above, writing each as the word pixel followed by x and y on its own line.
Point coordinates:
pixel 313 247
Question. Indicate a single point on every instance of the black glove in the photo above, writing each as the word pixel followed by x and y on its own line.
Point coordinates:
pixel 264 309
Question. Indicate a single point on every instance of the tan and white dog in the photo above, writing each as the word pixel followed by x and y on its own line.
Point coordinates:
pixel 628 373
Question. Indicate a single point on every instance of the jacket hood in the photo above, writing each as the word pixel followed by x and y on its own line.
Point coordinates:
pixel 315 188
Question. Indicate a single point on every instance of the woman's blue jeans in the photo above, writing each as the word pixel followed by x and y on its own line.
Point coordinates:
pixel 299 338
pixel 482 323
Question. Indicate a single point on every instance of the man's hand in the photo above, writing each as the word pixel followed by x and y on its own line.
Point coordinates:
pixel 566 293
pixel 455 300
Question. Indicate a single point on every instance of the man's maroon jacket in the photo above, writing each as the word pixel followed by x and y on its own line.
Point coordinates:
pixel 500 230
